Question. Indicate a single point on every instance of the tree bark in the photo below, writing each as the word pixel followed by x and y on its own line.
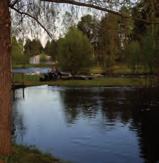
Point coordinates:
pixel 5 79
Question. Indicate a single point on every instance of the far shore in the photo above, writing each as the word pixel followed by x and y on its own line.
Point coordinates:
pixel 29 80
pixel 122 76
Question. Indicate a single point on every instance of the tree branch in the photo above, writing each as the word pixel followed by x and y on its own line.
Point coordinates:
pixel 73 2
pixel 14 3
pixel 32 17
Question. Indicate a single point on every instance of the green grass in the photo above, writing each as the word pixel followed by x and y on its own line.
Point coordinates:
pixel 119 69
pixel 33 80
pixel 22 154
pixel 107 82
pixel 96 70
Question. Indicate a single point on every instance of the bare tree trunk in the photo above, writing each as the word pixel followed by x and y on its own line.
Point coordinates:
pixel 5 79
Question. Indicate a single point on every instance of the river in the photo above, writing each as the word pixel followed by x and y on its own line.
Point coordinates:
pixel 89 125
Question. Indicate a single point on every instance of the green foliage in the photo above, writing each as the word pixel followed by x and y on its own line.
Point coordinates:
pixel 142 53
pixel 133 53
pixel 125 28
pixel 43 58
pixel 75 51
pixel 89 26
pixel 51 49
pixel 148 51
pixel 17 54
pixel 47 48
pixel 36 47
pixel 28 47
pixel 109 41
pixel 24 154
pixel 139 27
pixel 33 47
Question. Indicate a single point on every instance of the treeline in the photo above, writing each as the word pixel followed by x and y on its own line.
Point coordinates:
pixel 105 42
pixel 21 52
pixel 118 41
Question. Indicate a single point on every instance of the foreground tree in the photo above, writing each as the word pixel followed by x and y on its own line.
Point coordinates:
pixel 75 51
pixel 5 79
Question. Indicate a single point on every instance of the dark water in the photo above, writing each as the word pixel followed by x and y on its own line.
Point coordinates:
pixel 90 125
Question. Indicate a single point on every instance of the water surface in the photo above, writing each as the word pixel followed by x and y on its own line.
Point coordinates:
pixel 31 70
pixel 89 125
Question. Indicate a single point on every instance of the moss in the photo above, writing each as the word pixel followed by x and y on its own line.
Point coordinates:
pixel 22 154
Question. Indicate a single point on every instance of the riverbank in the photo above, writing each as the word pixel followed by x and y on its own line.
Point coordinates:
pixel 116 69
pixel 33 80
pixel 22 154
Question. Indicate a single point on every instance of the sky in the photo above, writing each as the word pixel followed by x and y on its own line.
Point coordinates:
pixel 62 26
pixel 60 22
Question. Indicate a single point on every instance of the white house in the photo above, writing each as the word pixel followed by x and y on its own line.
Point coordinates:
pixel 36 59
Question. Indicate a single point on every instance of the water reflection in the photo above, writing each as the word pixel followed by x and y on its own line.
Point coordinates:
pixel 113 105
pixel 18 128
pixel 146 121
pixel 79 103
pixel 90 124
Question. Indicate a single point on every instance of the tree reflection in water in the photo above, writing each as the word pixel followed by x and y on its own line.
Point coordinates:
pixel 18 128
pixel 138 108
pixel 146 121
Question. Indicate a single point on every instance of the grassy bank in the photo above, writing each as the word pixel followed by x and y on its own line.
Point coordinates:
pixel 33 80
pixel 22 154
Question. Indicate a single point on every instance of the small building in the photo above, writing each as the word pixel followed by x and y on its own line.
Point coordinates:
pixel 40 59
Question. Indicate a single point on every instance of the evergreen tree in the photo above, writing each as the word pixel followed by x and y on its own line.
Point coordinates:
pixel 33 47
pixel 51 49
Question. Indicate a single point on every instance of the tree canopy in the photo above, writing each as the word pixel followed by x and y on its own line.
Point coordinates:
pixel 51 49
pixel 33 47
pixel 75 51
pixel 17 53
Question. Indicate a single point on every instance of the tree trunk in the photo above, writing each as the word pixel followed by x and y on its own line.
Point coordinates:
pixel 5 79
